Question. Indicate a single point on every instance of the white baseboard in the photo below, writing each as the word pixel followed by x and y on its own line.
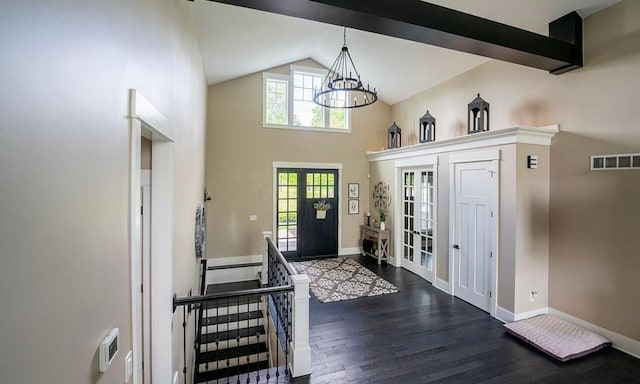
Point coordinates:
pixel 504 315
pixel 350 251
pixel 442 285
pixel 620 342
pixel 221 276
pixel 528 314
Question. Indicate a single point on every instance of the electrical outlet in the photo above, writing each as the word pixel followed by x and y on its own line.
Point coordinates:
pixel 253 217
pixel 175 378
pixel 533 295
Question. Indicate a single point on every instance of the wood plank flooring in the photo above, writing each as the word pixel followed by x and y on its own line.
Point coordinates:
pixel 422 335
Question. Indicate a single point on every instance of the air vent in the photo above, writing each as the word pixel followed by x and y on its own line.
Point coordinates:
pixel 611 162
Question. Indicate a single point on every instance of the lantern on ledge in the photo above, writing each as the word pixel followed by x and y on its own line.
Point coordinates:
pixel 427 128
pixel 478 115
pixel 395 136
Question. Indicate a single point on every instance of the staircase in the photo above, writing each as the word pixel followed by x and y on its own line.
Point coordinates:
pixel 232 336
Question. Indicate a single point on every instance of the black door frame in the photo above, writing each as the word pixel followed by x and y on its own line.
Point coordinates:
pixel 294 165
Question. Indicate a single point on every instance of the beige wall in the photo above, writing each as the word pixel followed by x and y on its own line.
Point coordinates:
pixel 64 164
pixel 593 216
pixel 240 154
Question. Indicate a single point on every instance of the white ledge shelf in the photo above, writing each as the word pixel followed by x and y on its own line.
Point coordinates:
pixel 512 135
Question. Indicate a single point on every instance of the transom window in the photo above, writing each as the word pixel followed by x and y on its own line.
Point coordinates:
pixel 288 102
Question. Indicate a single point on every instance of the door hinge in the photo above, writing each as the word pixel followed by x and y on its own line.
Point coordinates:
pixel 491 254
pixel 489 293
pixel 491 213
pixel 141 210
pixel 141 288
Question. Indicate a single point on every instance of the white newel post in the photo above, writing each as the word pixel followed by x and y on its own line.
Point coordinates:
pixel 264 275
pixel 300 360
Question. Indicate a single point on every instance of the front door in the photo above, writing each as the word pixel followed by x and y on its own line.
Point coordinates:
pixel 303 231
pixel 418 222
pixel 473 232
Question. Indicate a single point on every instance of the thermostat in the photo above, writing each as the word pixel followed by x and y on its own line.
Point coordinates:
pixel 109 348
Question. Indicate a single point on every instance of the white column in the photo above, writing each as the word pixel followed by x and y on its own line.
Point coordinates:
pixel 300 351
pixel 265 258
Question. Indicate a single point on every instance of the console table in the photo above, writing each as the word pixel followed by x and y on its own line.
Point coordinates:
pixel 381 240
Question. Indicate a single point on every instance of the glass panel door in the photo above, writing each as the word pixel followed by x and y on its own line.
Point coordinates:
pixel 418 220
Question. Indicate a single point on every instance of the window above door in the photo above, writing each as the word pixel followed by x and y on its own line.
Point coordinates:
pixel 288 102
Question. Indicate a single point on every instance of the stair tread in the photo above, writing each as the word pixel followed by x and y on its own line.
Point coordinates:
pixel 232 334
pixel 232 353
pixel 235 286
pixel 223 319
pixel 241 302
pixel 203 377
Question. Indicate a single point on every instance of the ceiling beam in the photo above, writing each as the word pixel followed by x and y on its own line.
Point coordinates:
pixel 443 27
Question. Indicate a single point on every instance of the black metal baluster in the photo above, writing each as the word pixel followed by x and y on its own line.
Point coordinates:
pixel 217 345
pixel 184 341
pixel 238 338
pixel 228 356
pixel 268 344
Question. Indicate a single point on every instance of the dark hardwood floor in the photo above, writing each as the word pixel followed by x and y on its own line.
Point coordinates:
pixel 422 335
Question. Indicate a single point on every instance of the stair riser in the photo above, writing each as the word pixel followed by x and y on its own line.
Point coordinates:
pixel 231 326
pixel 233 343
pixel 232 309
pixel 253 359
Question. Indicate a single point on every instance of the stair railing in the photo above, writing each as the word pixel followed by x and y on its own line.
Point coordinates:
pixel 286 297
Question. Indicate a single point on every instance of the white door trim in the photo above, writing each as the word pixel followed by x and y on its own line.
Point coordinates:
pixel 492 155
pixel 274 187
pixel 145 184
pixel 146 120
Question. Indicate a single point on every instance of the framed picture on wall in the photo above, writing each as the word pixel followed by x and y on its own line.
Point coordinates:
pixel 354 190
pixel 354 206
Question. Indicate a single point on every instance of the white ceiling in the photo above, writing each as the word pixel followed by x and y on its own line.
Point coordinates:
pixel 237 41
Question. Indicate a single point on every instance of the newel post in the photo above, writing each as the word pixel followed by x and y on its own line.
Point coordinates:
pixel 300 359
pixel 264 275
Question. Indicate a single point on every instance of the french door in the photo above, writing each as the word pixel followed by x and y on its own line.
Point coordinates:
pixel 301 231
pixel 418 222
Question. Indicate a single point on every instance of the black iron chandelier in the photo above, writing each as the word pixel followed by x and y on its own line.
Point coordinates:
pixel 342 86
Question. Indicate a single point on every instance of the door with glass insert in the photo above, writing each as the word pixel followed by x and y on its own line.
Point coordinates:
pixel 418 222
pixel 303 232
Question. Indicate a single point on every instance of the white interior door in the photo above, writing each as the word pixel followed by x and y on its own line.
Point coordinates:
pixel 145 290
pixel 474 232
pixel 418 222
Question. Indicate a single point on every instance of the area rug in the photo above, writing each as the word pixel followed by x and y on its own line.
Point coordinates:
pixel 556 337
pixel 342 279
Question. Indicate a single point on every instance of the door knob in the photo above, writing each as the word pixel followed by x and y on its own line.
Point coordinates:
pixel 456 246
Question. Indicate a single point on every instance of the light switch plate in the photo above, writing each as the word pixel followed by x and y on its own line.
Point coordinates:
pixel 253 217
pixel 128 367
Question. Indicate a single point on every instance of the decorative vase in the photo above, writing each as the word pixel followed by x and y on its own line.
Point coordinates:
pixel 382 225
pixel 321 214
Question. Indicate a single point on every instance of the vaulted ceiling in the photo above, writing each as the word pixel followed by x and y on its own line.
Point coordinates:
pixel 238 41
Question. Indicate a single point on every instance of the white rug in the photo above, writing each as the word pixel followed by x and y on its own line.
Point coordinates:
pixel 342 279
pixel 556 337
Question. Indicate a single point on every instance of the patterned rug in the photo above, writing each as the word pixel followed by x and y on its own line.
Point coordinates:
pixel 342 279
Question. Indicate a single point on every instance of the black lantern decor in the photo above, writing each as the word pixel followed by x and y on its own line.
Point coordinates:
pixel 395 136
pixel 427 128
pixel 478 115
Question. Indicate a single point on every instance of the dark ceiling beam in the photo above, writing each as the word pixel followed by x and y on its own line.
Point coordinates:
pixel 443 27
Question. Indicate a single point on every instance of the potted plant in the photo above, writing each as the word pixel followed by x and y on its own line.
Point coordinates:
pixel 321 208
pixel 383 218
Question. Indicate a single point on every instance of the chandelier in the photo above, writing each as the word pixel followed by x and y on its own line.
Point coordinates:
pixel 342 86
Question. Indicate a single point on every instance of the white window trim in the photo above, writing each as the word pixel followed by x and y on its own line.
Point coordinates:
pixel 289 79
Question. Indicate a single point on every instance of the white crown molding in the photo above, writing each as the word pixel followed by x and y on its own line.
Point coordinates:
pixel 512 135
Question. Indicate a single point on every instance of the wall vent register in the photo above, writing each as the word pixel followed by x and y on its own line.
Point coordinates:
pixel 610 162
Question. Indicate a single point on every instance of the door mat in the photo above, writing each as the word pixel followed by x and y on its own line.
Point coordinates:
pixel 557 338
pixel 342 279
